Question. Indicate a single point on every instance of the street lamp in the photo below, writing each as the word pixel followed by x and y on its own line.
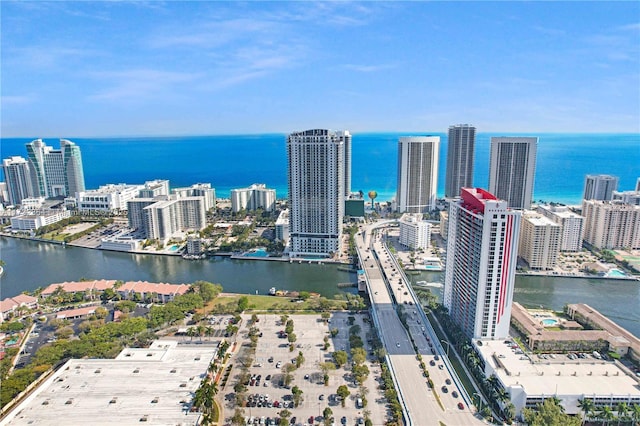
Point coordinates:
pixel 479 400
pixel 444 341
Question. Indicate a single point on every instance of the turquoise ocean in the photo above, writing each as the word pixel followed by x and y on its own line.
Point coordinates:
pixel 233 161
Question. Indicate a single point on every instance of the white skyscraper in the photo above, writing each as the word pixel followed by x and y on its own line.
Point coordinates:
pixel 417 173
pixel 460 157
pixel 482 251
pixel 600 187
pixel 19 180
pixel 512 169
pixel 316 174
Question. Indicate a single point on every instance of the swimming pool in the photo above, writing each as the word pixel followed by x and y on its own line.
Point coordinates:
pixel 616 273
pixel 549 322
pixel 260 252
pixel 173 248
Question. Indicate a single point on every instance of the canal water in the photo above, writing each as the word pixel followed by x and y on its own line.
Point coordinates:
pixel 30 265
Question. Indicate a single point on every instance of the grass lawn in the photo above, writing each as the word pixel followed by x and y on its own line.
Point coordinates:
pixel 259 303
pixel 53 236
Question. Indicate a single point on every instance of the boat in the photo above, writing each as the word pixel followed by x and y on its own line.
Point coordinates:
pixel 272 291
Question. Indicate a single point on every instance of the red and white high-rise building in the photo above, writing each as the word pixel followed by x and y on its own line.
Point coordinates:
pixel 482 251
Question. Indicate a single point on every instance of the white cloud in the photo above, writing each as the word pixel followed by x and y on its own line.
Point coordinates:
pixel 369 68
pixel 13 100
pixel 141 84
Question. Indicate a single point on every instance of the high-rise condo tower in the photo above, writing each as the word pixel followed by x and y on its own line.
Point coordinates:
pixel 482 251
pixel 316 191
pixel 417 173
pixel 512 169
pixel 460 156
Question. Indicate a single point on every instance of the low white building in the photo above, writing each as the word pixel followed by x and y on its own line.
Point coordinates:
pixel 627 197
pixel 38 219
pixel 257 196
pixel 32 203
pixel 107 198
pixel 154 188
pixel 414 232
pixel 529 380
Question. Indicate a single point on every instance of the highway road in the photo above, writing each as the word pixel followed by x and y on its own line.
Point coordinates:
pixel 389 290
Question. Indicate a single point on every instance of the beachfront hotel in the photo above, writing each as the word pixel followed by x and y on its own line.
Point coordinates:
pixel 316 177
pixel 512 169
pixel 460 156
pixel 254 197
pixel 417 173
pixel 599 187
pixel 482 252
pixel 415 233
pixel 56 172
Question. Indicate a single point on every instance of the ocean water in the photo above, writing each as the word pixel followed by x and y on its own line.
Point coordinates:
pixel 233 161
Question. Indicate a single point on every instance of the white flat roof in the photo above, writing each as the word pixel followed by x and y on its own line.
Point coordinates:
pixel 559 376
pixel 121 390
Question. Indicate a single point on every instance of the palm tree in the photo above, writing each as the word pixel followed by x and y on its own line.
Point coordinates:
pixel 622 410
pixel 635 413
pixel 606 414
pixel 191 331
pixel 588 407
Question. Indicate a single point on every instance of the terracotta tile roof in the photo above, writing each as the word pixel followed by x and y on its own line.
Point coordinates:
pixel 76 312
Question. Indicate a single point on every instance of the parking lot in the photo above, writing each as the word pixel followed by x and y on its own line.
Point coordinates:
pixel 267 394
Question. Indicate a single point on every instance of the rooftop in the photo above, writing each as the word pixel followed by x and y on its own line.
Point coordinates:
pixel 156 383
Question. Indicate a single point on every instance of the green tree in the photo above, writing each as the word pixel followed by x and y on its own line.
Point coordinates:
pixel 343 392
pixel 299 359
pixel 549 413
pixel 243 304
pixel 325 367
pixel 340 358
pixel 304 295
pixel 284 415
pixel 358 355
pixel 360 373
pixel 605 414
pixel 327 415
pixel 208 291
pixel 297 396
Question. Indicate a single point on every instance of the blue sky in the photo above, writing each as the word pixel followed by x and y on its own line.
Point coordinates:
pixel 181 68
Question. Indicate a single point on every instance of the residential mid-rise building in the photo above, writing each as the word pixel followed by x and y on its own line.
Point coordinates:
pixel 417 173
pixel 512 169
pixel 444 224
pixel 56 172
pixel 482 252
pixel 198 190
pixel 254 197
pixel 110 198
pixel 627 197
pixel 611 224
pixel 599 187
pixel 135 212
pixel 460 157
pixel 166 218
pixel 572 225
pixel 18 176
pixel 539 241
pixel 316 169
pixel 154 188
pixel 415 233
pixel 282 226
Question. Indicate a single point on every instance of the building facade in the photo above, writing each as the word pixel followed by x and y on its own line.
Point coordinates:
pixel 166 218
pixel 199 190
pixel 107 198
pixel 627 197
pixel 18 177
pixel 316 169
pixel 481 262
pixel 282 227
pixel 611 224
pixel 599 187
pixel 539 241
pixel 56 172
pixel 256 196
pixel 38 219
pixel 571 225
pixel 154 188
pixel 512 169
pixel 414 232
pixel 460 157
pixel 417 173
